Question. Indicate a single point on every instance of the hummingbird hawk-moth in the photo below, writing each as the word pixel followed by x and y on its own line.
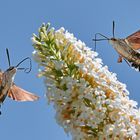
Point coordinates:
pixel 9 88
pixel 127 48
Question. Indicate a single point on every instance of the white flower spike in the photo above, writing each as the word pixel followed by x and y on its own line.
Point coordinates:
pixel 90 102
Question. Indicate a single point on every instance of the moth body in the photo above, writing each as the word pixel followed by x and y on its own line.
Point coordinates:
pixel 121 47
pixel 7 79
pixel 124 49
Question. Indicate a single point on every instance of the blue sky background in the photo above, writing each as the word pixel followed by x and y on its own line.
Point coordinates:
pixel 19 19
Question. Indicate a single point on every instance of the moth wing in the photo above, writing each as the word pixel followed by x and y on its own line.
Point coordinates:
pixel 18 94
pixel 134 40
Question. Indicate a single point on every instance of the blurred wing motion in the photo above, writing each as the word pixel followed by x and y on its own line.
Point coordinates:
pixel 18 94
pixel 134 40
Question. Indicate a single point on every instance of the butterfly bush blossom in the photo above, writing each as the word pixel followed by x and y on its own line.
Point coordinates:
pixel 90 102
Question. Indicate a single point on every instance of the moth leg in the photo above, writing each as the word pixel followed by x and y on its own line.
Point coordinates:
pixel 0 107
pixel 120 59
pixel 127 63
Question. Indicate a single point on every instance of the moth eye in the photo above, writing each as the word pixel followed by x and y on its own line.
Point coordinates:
pixel 114 39
pixel 10 68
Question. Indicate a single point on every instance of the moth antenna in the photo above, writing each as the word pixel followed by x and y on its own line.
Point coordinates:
pixel 113 29
pixel 8 57
pixel 27 70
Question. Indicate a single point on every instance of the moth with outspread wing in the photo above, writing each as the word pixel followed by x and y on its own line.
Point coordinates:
pixel 8 87
pixel 128 48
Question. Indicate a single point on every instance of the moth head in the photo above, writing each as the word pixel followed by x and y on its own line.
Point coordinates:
pixel 11 72
pixel 113 41
pixel 12 69
pixel 116 42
